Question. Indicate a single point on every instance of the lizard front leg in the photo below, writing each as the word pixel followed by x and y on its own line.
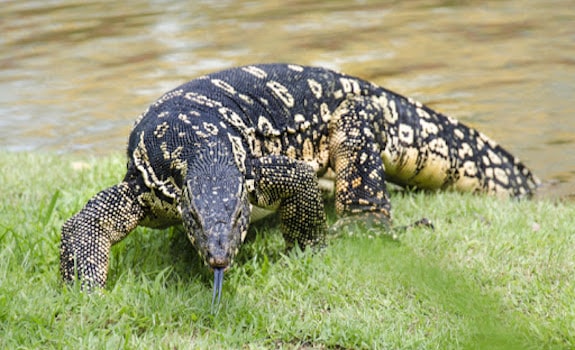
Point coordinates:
pixel 87 237
pixel 293 186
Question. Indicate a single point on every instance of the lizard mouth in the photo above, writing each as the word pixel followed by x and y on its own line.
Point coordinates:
pixel 218 283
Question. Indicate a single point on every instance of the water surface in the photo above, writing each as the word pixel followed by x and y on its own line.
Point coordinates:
pixel 74 74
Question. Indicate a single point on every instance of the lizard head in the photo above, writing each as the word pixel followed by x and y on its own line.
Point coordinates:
pixel 215 213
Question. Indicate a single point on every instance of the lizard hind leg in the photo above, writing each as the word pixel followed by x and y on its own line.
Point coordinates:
pixel 355 150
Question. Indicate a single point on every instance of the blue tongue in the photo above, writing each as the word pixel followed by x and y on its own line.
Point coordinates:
pixel 218 283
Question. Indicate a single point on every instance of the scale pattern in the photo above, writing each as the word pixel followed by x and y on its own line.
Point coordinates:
pixel 207 151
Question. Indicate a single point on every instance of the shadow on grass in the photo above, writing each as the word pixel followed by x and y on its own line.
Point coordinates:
pixel 148 251
pixel 488 323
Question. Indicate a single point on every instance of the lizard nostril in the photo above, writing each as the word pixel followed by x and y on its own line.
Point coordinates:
pixel 218 261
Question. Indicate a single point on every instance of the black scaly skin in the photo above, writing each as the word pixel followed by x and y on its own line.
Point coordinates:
pixel 262 135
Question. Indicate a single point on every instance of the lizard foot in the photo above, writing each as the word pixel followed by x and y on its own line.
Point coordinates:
pixel 373 224
pixel 370 223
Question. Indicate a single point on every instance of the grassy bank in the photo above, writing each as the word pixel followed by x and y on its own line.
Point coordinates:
pixel 493 275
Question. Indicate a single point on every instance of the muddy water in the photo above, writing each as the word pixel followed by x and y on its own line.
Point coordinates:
pixel 74 74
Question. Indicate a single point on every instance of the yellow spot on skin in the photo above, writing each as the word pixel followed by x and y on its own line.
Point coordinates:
pixel 142 163
pixel 465 151
pixel 323 155
pixel 139 119
pixel 232 118
pixel 390 112
pixel 489 172
pixel 246 99
pixel 295 67
pixel 480 143
pixel 184 118
pixel 362 201
pixel 315 88
pixel 202 99
pixel 439 146
pixel 307 150
pixel 281 92
pixel 422 113
pixel 255 71
pixel 350 86
pixel 298 118
pixel 210 128
pixel 224 86
pixel 291 152
pixel 177 152
pixel 374 175
pixel 501 176
pixel 416 104
pixel 273 146
pixel 299 139
pixel 428 128
pixel 380 101
pixel 452 121
pixel 239 152
pixel 368 133
pixel 470 168
pixel 254 144
pixel 161 129
pixel 266 127
pixel 406 134
pixel 165 151
pixel 355 183
pixel 325 113
pixel 168 97
pixel 495 159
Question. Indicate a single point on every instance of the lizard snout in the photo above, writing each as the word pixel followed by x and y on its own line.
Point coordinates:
pixel 218 252
pixel 219 262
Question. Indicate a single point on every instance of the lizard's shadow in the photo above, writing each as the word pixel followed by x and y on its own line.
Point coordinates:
pixel 148 251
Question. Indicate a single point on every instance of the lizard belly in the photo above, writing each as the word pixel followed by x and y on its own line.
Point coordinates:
pixel 413 167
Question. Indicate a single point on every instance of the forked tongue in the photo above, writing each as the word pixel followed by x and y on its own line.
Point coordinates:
pixel 218 283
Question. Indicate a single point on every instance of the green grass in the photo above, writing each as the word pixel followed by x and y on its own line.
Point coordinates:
pixel 494 274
